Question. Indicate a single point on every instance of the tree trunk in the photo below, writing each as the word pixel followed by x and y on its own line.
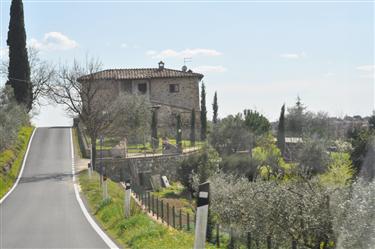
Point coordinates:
pixel 93 151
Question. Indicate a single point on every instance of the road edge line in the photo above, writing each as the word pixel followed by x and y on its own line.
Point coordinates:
pixel 86 213
pixel 22 168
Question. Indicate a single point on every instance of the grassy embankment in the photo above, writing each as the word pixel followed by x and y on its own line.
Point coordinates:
pixel 138 231
pixel 13 157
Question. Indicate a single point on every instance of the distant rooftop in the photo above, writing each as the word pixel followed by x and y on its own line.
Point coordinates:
pixel 140 73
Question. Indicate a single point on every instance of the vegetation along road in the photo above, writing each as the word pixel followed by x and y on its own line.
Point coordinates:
pixel 44 209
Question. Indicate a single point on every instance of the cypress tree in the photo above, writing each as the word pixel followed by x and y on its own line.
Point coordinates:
pixel 19 68
pixel 203 113
pixel 281 131
pixel 215 108
pixel 192 128
pixel 179 132
pixel 154 130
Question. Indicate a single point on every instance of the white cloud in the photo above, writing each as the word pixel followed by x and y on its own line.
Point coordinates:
pixel 329 74
pixel 124 45
pixel 367 71
pixel 210 69
pixel 54 41
pixel 293 56
pixel 186 53
pixel 4 52
pixel 151 52
pixel 366 68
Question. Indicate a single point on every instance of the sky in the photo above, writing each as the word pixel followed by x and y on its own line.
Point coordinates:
pixel 255 54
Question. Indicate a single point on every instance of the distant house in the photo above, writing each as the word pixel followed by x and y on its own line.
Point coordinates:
pixel 169 91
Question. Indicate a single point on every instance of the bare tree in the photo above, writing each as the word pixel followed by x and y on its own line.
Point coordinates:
pixel 42 73
pixel 88 100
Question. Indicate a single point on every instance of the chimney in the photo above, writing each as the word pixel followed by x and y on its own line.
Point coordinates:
pixel 161 65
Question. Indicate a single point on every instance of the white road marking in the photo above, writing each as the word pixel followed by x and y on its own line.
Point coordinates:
pixel 22 167
pixel 95 226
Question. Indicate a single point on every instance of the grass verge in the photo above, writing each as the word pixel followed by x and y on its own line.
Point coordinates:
pixel 11 160
pixel 138 231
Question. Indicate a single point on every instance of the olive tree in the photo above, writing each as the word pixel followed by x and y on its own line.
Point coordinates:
pixel 274 211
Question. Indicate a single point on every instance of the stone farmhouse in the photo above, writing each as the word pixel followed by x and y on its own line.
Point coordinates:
pixel 169 91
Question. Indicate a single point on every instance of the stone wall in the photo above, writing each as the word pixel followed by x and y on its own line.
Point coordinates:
pixel 139 170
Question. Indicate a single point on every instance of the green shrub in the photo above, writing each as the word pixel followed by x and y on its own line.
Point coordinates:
pixel 199 166
pixel 239 165
pixel 13 157
pixel 340 170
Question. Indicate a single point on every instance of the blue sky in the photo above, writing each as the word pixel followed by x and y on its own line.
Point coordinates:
pixel 256 55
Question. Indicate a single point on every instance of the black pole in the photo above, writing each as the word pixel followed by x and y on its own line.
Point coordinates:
pixel 153 205
pixel 269 242
pixel 248 240
pixel 168 214
pixel 294 244
pixel 162 211
pixel 149 201
pixel 188 221
pixel 157 208
pixel 218 235
pixel 174 216
pixel 180 219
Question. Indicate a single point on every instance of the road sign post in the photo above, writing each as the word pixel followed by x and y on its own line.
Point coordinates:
pixel 201 215
pixel 128 192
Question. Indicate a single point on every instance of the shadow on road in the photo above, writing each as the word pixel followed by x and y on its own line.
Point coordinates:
pixel 45 177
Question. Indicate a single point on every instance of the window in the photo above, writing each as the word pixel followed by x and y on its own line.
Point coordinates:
pixel 174 88
pixel 142 88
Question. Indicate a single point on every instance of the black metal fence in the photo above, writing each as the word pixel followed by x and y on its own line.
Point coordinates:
pixel 165 212
pixel 222 237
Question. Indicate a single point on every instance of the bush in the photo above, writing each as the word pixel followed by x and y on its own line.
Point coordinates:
pixel 239 165
pixel 13 158
pixel 12 117
pixel 339 172
pixel 313 157
pixel 198 167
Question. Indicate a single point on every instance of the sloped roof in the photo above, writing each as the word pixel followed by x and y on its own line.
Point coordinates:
pixel 139 73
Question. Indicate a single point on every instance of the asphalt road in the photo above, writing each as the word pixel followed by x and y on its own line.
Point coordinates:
pixel 42 211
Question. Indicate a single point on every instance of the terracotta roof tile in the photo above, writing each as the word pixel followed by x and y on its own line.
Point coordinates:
pixel 138 73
